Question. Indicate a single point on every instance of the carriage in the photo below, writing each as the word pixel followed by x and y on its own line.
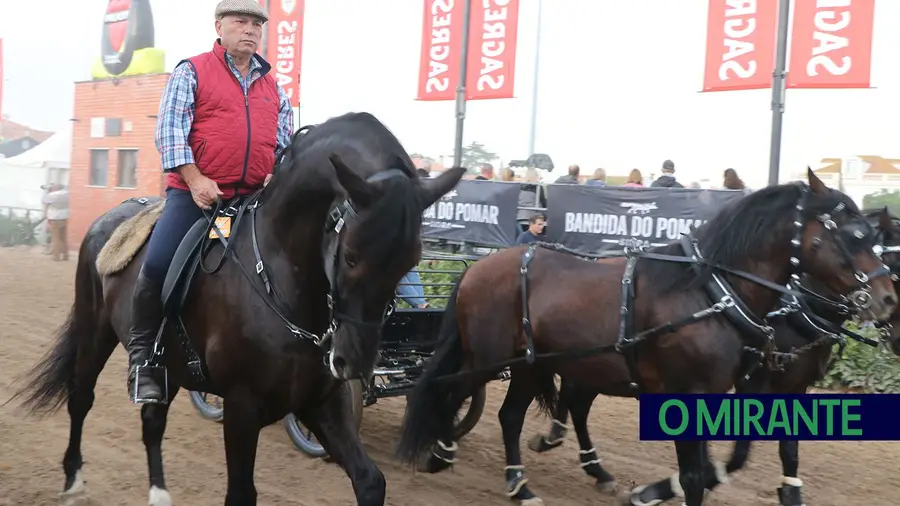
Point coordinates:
pixel 408 340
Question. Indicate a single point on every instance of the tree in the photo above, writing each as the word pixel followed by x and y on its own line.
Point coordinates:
pixel 474 154
pixel 882 198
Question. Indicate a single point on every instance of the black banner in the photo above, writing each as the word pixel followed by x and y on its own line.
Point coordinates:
pixel 592 219
pixel 479 212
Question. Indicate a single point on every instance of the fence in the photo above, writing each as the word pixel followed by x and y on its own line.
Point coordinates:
pixel 21 226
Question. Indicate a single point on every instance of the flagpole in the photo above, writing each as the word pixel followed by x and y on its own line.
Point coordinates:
pixel 461 87
pixel 534 90
pixel 778 90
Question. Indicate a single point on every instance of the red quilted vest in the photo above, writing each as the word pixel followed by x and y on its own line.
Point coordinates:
pixel 232 136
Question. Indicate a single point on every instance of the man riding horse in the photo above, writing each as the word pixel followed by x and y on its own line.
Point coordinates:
pixel 223 121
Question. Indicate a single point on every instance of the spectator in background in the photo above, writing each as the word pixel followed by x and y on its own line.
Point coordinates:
pixel 535 230
pixel 731 181
pixel 598 179
pixel 635 179
pixel 667 179
pixel 507 174
pixel 571 177
pixel 56 209
pixel 411 290
pixel 487 172
pixel 528 197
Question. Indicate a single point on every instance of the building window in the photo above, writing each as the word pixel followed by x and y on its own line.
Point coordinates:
pixel 127 168
pixel 99 167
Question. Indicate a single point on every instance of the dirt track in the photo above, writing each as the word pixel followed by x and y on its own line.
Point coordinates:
pixel 35 295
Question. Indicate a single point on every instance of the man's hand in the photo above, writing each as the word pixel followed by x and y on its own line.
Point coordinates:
pixel 204 190
pixel 268 178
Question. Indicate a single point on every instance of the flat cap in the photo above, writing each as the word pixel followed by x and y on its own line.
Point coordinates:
pixel 241 7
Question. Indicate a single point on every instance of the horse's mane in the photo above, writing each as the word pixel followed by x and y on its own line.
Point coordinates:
pixel 746 229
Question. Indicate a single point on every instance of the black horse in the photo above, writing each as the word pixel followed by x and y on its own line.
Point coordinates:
pixel 690 308
pixel 294 307
pixel 806 344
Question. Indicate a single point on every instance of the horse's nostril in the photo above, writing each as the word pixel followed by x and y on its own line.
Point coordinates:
pixel 339 362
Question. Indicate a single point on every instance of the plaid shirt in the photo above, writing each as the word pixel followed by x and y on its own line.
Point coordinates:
pixel 176 113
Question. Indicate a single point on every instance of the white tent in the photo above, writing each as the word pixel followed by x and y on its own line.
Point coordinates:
pixel 21 176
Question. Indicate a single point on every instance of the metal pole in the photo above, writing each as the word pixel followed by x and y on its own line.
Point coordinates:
pixel 534 90
pixel 461 87
pixel 778 90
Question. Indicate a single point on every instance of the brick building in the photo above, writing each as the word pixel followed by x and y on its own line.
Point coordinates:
pixel 114 156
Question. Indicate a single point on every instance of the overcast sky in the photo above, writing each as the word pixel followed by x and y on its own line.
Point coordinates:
pixel 618 88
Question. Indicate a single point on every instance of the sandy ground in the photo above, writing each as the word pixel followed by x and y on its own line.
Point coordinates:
pixel 35 295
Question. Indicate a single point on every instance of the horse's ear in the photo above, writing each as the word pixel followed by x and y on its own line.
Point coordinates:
pixel 815 184
pixel 884 219
pixel 433 189
pixel 357 188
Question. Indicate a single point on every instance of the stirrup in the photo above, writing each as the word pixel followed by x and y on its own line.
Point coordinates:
pixel 155 372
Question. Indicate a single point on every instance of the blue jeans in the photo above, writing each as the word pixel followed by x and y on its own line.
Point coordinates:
pixel 413 292
pixel 177 218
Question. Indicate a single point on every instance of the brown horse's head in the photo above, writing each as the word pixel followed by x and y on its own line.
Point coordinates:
pixel 889 251
pixel 368 250
pixel 837 245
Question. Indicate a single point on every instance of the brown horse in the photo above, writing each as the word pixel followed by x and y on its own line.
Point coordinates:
pixel 564 313
pixel 804 339
pixel 308 274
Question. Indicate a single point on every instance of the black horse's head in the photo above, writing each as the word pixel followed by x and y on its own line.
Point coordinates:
pixel 836 245
pixel 373 238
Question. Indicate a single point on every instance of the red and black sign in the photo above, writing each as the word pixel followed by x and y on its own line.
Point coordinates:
pixel 127 27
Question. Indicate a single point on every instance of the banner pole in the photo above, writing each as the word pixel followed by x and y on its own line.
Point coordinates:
pixel 461 87
pixel 534 91
pixel 778 90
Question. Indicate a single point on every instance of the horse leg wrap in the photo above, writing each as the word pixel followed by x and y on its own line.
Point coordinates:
pixel 790 493
pixel 515 486
pixel 446 453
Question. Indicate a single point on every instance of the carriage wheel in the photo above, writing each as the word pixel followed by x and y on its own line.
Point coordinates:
pixel 475 409
pixel 303 438
pixel 209 406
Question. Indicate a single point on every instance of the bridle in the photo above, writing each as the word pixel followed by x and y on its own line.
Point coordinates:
pixel 860 298
pixel 343 213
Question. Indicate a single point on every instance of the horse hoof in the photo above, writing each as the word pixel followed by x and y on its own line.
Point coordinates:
pixel 538 444
pixel 431 464
pixel 534 501
pixel 607 487
pixel 631 497
pixel 159 497
pixel 74 495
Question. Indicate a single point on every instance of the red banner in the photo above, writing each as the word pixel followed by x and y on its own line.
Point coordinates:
pixel 831 44
pixel 493 34
pixel 439 67
pixel 284 45
pixel 740 44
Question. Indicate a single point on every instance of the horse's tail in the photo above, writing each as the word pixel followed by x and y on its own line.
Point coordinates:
pixel 432 406
pixel 51 380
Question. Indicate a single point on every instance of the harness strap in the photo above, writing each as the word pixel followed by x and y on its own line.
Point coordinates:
pixel 526 322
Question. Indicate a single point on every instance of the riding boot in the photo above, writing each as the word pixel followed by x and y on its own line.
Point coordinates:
pixel 146 320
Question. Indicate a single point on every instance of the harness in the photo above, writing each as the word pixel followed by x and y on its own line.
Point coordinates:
pixel 755 330
pixel 238 207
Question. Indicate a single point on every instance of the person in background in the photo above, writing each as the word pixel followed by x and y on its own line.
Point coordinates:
pixel 487 172
pixel 598 179
pixel 731 181
pixel 56 208
pixel 667 179
pixel 635 179
pixel 535 230
pixel 411 290
pixel 571 177
pixel 507 174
